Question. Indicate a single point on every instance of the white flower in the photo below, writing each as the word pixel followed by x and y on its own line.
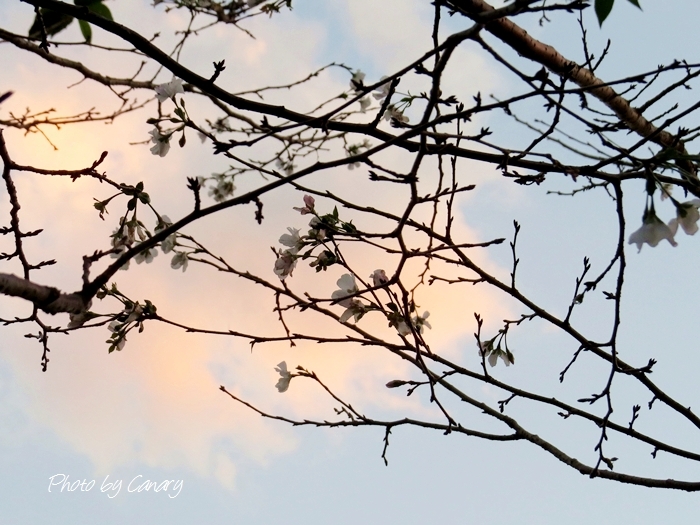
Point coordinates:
pixel 687 216
pixel 365 103
pixel 284 265
pixel 323 260
pixel 666 190
pixel 382 91
pixel 180 260
pixel 652 232
pixel 379 278
pixel 293 240
pixel 163 223
pixel 492 354
pixel 162 143
pixel 78 320
pixel 420 321
pixel 356 80
pixel 114 326
pixel 347 286
pixel 146 255
pixel 169 243
pixel 169 90
pixel 351 153
pixel 353 307
pixel 288 167
pixel 403 328
pixel 140 232
pixel 317 232
pixel 392 113
pixel 223 189
pixel 285 377
pixel 135 313
pixel 121 250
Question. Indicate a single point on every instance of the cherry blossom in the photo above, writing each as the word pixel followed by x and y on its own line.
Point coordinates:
pixel 318 232
pixel 365 103
pixel 134 313
pixel 379 278
pixel 309 203
pixel 357 80
pixel 492 354
pixel 347 286
pixel 224 187
pixel 353 306
pixel 169 90
pixel 403 328
pixel 382 91
pixel 687 216
pixel 162 143
pixel 168 244
pixel 393 113
pixel 122 249
pixel 421 321
pixel 652 232
pixel 288 167
pixel 352 165
pixel 180 260
pixel 146 255
pixel 666 189
pixel 78 320
pixel 293 240
pixel 285 377
pixel 284 265
pixel 354 309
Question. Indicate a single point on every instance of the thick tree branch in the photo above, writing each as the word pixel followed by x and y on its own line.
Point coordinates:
pixel 518 39
pixel 46 298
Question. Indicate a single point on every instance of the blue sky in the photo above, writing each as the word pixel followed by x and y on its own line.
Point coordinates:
pixel 154 409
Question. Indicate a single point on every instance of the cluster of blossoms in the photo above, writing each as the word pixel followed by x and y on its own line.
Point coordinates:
pixel 355 149
pixel 180 259
pixel 347 288
pixel 382 91
pixel 132 317
pixel 161 141
pixel 287 259
pixel 322 228
pixel 418 323
pixel 492 354
pixel 169 89
pixel 395 115
pixel 654 230
pixel 286 167
pixel 357 85
pixel 224 187
pixel 125 236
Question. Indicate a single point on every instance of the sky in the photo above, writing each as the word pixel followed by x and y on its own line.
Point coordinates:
pixel 154 412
